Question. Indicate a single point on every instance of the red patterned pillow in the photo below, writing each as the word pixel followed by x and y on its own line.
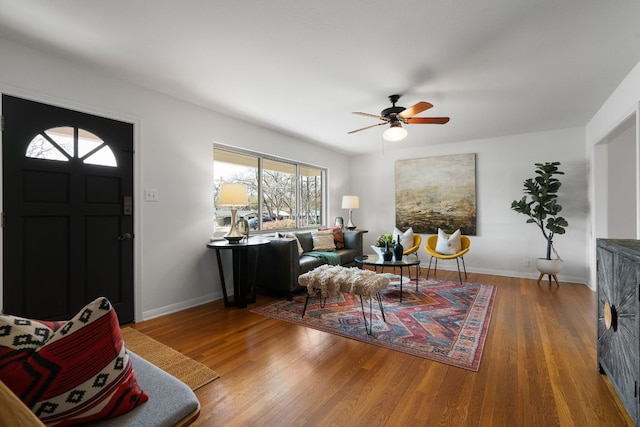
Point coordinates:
pixel 338 236
pixel 71 374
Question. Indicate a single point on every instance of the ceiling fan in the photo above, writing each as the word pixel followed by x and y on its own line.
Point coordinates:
pixel 395 116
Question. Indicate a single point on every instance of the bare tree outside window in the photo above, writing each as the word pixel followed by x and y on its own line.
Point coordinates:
pixel 41 148
pixel 282 195
pixel 310 197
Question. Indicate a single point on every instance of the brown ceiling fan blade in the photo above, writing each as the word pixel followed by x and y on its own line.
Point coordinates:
pixel 426 120
pixel 415 109
pixel 368 127
pixel 375 116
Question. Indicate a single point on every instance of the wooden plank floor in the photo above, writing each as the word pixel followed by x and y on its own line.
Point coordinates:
pixel 538 368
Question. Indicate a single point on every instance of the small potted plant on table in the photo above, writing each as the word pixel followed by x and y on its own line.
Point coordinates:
pixel 383 242
pixel 541 206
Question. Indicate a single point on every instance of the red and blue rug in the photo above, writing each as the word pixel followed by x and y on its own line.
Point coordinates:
pixel 443 321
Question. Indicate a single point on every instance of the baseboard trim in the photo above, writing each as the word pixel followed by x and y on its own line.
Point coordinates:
pixel 532 275
pixel 183 305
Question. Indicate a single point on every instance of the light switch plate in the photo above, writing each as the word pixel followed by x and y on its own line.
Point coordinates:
pixel 151 195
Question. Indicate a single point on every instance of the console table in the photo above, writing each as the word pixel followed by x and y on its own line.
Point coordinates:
pixel 244 287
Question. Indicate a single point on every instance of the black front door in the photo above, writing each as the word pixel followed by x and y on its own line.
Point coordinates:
pixel 68 210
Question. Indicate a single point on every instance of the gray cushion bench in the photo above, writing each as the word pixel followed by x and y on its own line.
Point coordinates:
pixel 171 402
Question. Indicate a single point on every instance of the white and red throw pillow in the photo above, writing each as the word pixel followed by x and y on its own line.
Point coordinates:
pixel 70 372
pixel 338 236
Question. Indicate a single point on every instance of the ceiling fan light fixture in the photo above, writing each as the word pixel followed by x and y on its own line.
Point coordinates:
pixel 395 132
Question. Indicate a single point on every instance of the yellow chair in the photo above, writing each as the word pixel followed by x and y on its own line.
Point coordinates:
pixel 431 250
pixel 417 239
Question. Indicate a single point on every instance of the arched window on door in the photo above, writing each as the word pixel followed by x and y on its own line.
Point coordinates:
pixel 66 143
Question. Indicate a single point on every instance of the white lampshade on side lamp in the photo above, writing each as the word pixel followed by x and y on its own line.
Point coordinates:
pixel 395 132
pixel 350 202
pixel 233 195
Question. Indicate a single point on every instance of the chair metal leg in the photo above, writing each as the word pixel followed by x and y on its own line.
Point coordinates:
pixel 435 267
pixel 465 268
pixel 417 267
pixel 459 275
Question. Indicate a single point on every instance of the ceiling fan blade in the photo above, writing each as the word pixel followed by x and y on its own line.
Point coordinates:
pixel 375 116
pixel 415 109
pixel 426 120
pixel 368 127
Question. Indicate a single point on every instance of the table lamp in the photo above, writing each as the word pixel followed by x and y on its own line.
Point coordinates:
pixel 233 195
pixel 350 202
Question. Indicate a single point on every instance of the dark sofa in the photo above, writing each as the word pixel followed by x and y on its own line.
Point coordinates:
pixel 279 264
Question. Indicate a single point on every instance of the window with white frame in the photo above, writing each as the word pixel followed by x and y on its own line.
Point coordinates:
pixel 283 194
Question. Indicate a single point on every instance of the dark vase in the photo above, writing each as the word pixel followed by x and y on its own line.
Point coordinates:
pixel 387 255
pixel 398 250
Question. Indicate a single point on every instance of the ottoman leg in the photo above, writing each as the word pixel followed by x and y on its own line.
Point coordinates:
pixel 323 301
pixel 380 304
pixel 369 326
pixel 306 301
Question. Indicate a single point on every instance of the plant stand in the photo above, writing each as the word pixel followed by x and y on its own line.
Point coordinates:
pixel 549 267
pixel 551 276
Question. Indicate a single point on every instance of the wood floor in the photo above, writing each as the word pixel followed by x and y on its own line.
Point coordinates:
pixel 538 368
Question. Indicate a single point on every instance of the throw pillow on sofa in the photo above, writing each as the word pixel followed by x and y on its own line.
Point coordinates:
pixel 338 236
pixel 279 235
pixel 293 235
pixel 74 374
pixel 323 241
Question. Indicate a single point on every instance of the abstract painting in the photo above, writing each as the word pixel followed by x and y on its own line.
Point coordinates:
pixel 437 192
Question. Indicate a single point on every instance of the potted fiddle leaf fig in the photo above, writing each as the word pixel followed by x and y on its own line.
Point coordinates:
pixel 540 205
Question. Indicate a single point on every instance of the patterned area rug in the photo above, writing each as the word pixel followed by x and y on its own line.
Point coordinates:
pixel 444 321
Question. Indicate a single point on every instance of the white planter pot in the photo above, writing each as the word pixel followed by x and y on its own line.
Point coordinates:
pixel 548 266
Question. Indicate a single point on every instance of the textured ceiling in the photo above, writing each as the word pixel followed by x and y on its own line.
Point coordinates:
pixel 496 67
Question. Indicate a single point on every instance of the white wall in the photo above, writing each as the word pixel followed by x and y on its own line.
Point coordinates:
pixel 621 185
pixel 174 154
pixel 504 240
pixel 174 149
pixel 621 110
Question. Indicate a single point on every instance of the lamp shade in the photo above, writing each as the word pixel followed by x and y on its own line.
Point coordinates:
pixel 350 202
pixel 233 195
pixel 395 132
